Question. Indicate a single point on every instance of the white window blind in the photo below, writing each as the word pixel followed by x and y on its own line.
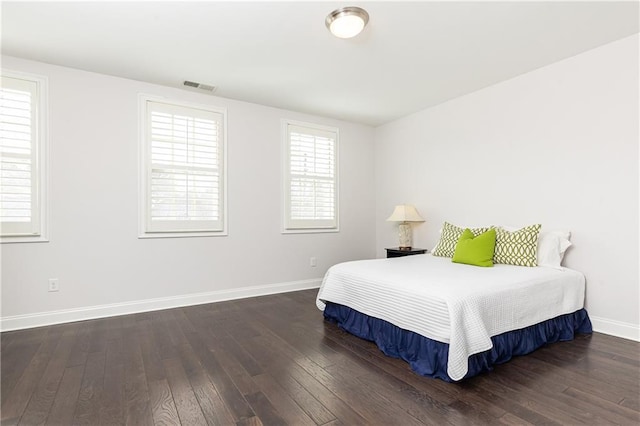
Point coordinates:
pixel 185 165
pixel 20 202
pixel 311 199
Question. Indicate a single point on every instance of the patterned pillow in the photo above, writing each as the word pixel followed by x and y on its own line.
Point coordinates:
pixel 449 237
pixel 518 247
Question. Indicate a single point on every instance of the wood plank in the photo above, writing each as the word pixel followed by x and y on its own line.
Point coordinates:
pixel 297 338
pixel 112 402
pixel 240 377
pixel 213 407
pixel 161 337
pixel 615 345
pixel 98 342
pixel 534 401
pixel 615 413
pixel 556 374
pixel 17 349
pixel 250 421
pixel 89 398
pixel 16 402
pixel 287 408
pixel 512 420
pixel 276 364
pixel 232 397
pixel 613 376
pixel 81 346
pixel 14 364
pixel 414 402
pixel 311 400
pixel 162 404
pixel 501 397
pixel 64 404
pixel 234 350
pixel 137 409
pixel 43 396
pixel 364 402
pixel 186 402
pixel 153 367
pixel 263 408
pixel 467 414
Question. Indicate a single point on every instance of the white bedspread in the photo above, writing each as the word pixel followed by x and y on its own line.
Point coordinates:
pixel 452 303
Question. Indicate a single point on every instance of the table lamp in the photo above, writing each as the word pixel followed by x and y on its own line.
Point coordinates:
pixel 405 213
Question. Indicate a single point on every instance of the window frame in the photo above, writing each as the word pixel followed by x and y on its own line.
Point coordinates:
pixel 286 197
pixel 145 165
pixel 41 147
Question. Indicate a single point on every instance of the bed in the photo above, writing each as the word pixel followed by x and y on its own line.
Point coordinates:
pixel 453 321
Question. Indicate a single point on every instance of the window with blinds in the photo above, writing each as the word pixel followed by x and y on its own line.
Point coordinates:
pixel 22 158
pixel 184 179
pixel 311 178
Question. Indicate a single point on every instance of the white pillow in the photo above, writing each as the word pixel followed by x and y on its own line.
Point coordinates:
pixel 551 248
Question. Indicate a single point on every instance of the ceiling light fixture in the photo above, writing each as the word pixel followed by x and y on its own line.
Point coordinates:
pixel 347 22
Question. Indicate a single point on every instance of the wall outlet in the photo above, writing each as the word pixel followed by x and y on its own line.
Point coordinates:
pixel 313 262
pixel 54 285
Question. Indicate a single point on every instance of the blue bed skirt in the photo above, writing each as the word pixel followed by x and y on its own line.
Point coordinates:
pixel 429 357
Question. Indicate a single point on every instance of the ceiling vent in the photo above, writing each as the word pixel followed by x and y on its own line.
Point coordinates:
pixel 200 86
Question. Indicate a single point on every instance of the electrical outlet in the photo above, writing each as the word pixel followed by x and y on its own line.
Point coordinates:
pixel 312 262
pixel 54 285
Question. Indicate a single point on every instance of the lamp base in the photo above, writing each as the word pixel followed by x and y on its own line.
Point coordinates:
pixel 404 234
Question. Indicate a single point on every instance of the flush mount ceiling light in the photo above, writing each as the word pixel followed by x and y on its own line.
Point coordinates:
pixel 347 22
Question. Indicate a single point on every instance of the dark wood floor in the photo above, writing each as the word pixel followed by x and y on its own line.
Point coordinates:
pixel 273 360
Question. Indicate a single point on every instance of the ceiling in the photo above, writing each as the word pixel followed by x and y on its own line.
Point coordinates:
pixel 411 56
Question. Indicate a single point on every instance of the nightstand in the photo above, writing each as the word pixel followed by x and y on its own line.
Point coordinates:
pixel 400 252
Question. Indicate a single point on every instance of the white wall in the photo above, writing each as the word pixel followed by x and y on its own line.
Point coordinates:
pixel 557 146
pixel 94 249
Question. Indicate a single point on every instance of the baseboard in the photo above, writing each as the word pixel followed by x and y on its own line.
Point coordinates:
pixel 19 322
pixel 40 319
pixel 616 328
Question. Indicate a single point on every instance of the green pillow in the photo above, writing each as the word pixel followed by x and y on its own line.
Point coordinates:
pixel 518 248
pixel 449 236
pixel 476 251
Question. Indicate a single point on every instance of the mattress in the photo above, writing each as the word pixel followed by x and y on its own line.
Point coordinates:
pixel 461 305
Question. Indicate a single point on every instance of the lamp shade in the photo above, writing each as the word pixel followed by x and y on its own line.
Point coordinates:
pixel 405 213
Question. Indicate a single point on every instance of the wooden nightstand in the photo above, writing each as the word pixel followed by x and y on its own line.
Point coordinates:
pixel 400 252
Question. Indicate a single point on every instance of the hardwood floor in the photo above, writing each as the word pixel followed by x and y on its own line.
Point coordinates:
pixel 273 360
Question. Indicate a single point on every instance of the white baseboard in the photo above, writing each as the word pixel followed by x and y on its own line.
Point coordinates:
pixel 616 328
pixel 40 319
pixel 19 322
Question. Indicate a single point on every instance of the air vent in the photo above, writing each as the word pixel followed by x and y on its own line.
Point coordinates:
pixel 207 87
pixel 200 86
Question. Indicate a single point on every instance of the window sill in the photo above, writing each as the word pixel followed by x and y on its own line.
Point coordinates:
pixel 24 239
pixel 183 234
pixel 311 231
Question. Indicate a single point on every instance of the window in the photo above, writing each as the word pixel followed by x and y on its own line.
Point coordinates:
pixel 183 170
pixel 23 157
pixel 310 178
